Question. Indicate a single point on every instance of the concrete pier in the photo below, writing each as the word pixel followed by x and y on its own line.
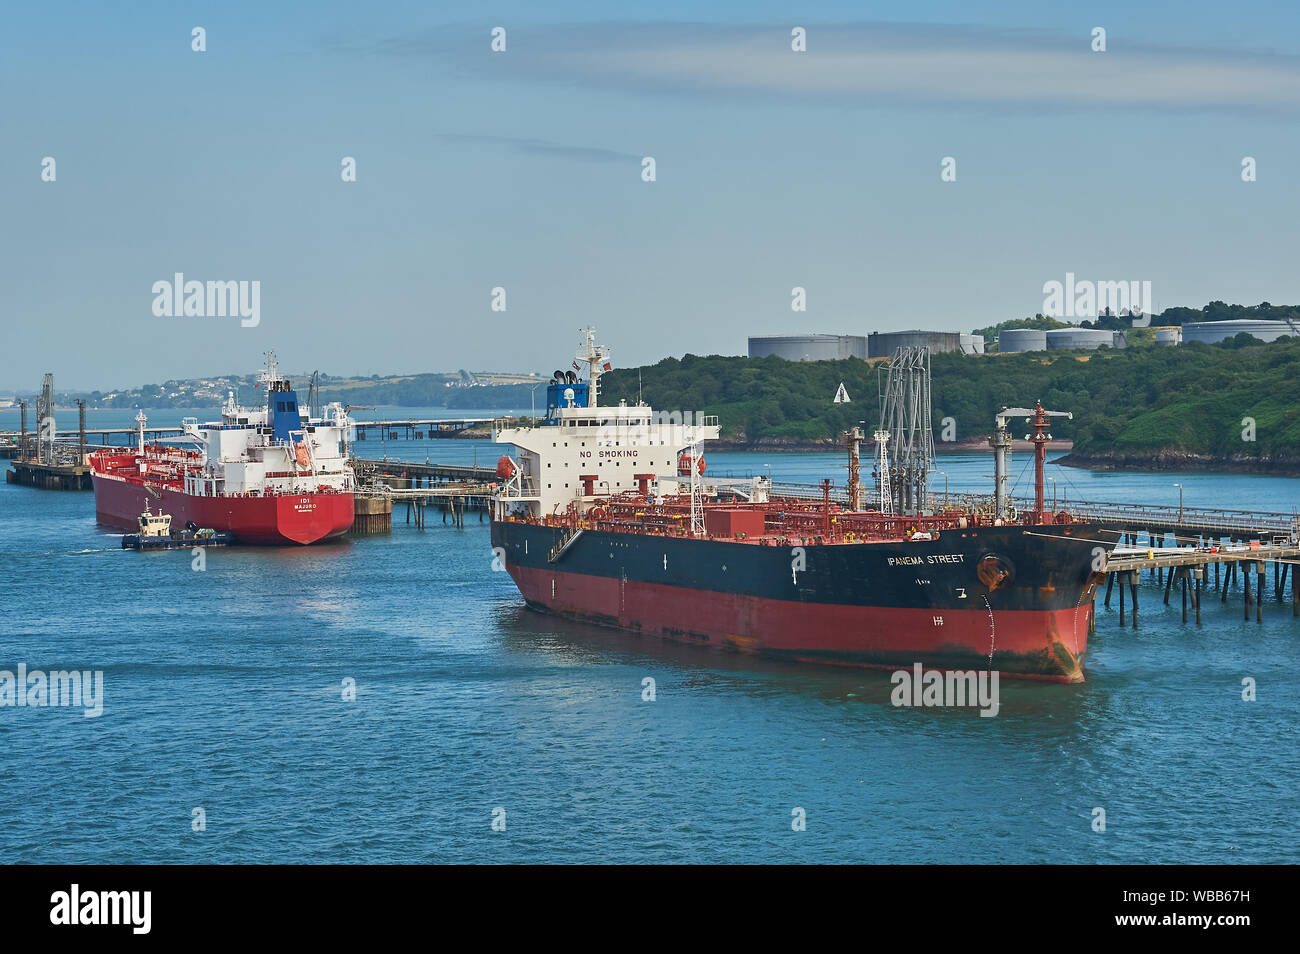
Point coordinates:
pixel 371 515
pixel 30 473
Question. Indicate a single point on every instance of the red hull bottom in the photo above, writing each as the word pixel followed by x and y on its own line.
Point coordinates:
pixel 277 520
pixel 1042 644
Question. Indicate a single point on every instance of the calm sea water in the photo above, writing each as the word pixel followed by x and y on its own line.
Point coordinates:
pixel 223 690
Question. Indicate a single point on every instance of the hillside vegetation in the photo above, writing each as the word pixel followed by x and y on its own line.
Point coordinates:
pixel 1185 400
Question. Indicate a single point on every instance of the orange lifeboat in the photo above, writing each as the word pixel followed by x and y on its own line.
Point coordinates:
pixel 301 454
pixel 505 468
pixel 684 464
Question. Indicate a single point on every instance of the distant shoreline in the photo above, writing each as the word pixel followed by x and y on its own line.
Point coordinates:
pixel 1182 461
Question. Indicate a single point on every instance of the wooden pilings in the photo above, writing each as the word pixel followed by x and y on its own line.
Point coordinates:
pixel 1188 568
pixel 1199 575
pixel 1245 581
pixel 1259 592
pixel 1133 587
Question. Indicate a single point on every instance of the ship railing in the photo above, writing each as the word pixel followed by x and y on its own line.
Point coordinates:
pixel 784 488
pixel 526 489
pixel 974 503
pixel 500 424
pixel 1212 519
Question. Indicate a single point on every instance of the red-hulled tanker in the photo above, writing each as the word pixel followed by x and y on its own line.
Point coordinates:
pixel 269 475
pixel 601 520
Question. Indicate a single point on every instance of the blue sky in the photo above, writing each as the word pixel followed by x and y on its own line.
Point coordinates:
pixel 523 170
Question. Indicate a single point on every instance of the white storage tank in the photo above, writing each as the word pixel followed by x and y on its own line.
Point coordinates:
pixel 972 343
pixel 1170 336
pixel 1022 339
pixel 809 347
pixel 1079 339
pixel 1212 332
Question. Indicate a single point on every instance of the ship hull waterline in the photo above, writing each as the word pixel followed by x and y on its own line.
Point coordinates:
pixel 275 520
pixel 883 605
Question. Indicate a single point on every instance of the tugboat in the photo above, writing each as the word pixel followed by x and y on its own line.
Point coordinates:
pixel 155 533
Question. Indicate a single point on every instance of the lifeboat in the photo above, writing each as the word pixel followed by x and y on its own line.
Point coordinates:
pixel 684 464
pixel 506 468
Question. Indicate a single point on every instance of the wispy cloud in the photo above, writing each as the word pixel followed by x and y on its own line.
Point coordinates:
pixel 542 147
pixel 867 64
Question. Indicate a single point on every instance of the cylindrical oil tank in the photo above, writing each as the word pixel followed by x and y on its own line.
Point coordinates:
pixel 809 347
pixel 882 344
pixel 1022 339
pixel 1079 339
pixel 1170 336
pixel 1214 331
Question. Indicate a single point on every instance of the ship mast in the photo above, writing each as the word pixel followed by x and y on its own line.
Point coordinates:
pixel 595 356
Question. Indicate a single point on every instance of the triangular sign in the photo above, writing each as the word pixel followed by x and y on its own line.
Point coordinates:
pixel 841 396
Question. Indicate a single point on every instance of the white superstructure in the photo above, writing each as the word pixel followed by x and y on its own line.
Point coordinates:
pixel 582 452
pixel 272 449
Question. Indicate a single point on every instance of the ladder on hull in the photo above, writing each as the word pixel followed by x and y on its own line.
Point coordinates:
pixel 567 539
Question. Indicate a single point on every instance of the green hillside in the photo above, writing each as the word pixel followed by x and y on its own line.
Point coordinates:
pixel 1188 399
